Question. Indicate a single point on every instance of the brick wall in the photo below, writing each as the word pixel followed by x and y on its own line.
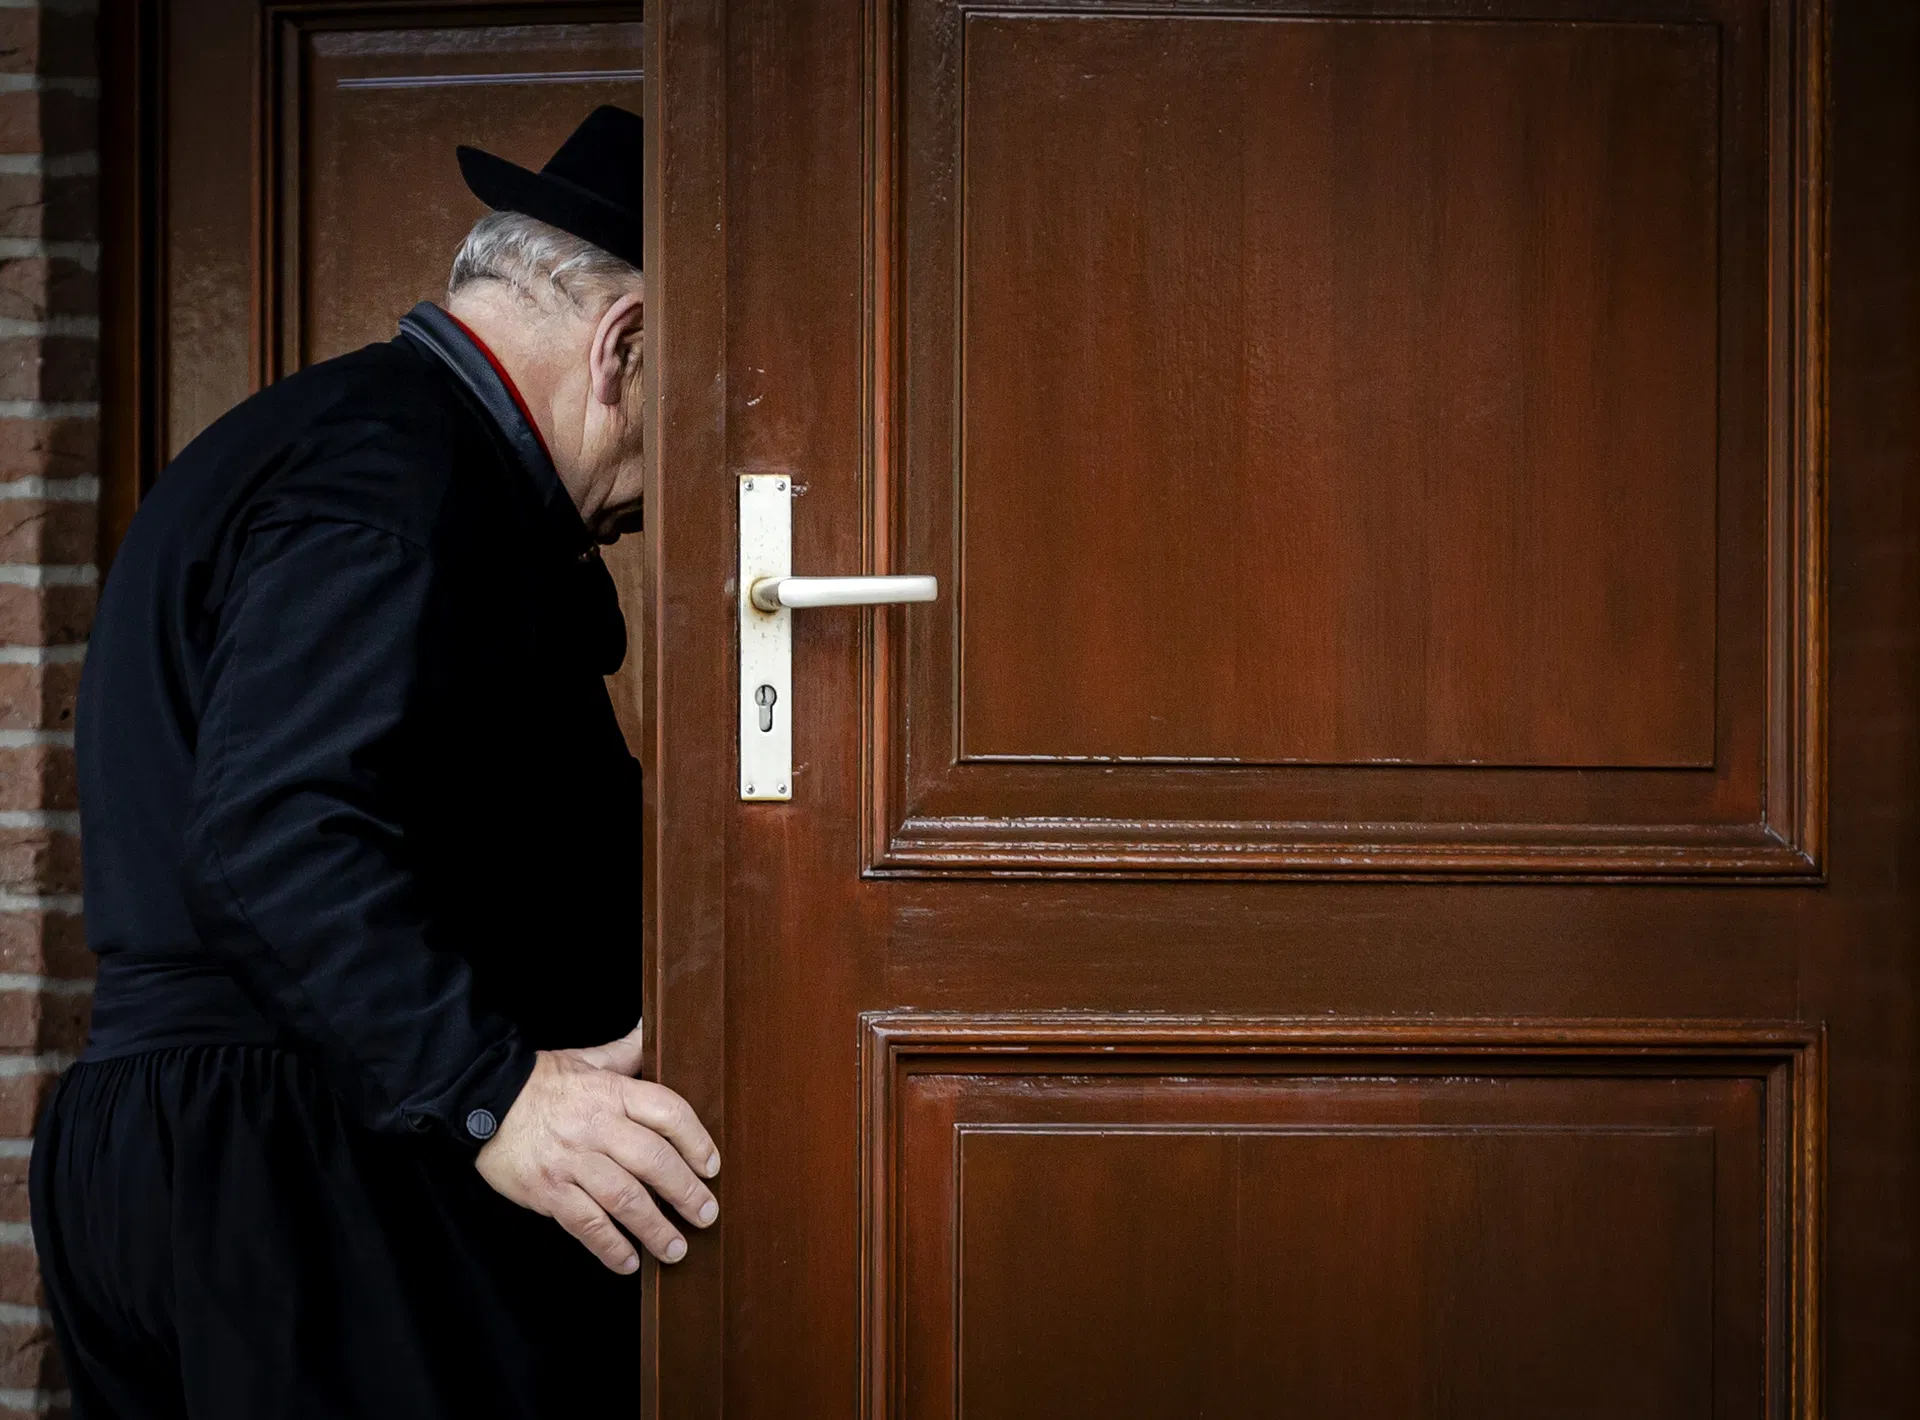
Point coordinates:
pixel 49 492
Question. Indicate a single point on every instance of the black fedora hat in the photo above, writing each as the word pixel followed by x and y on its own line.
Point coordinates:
pixel 590 188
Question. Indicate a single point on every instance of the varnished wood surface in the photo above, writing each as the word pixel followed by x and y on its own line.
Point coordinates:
pixel 686 686
pixel 300 191
pixel 1148 284
pixel 1490 1271
pixel 831 379
pixel 368 113
pixel 1455 1170
pixel 1206 264
pixel 1090 1216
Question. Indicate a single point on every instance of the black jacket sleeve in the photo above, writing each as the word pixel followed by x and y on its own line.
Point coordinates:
pixel 296 860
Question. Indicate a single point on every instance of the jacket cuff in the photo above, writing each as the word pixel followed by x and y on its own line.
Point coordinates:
pixel 472 1111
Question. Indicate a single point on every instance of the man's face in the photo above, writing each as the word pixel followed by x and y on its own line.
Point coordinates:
pixel 625 468
pixel 612 446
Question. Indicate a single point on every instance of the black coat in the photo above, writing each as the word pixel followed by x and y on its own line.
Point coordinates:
pixel 349 776
pixel 361 834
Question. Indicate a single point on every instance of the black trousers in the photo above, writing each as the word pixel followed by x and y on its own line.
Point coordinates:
pixel 219 1242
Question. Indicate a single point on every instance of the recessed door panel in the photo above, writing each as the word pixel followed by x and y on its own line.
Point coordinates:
pixel 307 188
pixel 374 113
pixel 1112 1217
pixel 1208 263
pixel 1353 442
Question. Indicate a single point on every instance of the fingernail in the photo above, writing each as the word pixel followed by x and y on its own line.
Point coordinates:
pixel 676 1250
pixel 708 1212
pixel 630 1264
pixel 713 1165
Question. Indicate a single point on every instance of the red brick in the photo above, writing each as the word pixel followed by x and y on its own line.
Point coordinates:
pixel 20 41
pixel 51 120
pixel 45 616
pixel 45 943
pixel 29 1360
pixel 19 1276
pixel 35 287
pixel 49 448
pixel 20 121
pixel 61 208
pixel 37 530
pixel 38 777
pixel 39 860
pixel 38 697
pixel 55 368
pixel 13 1209
pixel 43 1021
pixel 21 1097
pixel 40 41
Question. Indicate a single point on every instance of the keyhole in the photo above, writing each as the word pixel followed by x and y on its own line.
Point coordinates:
pixel 764 698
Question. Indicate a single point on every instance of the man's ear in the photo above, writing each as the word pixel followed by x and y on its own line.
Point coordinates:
pixel 615 352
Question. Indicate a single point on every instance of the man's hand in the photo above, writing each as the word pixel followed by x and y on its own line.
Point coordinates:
pixel 583 1143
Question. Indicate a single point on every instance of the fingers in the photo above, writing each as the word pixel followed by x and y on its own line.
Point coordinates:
pixel 591 1146
pixel 621 1056
pixel 656 1163
pixel 671 1117
pixel 626 1198
pixel 575 1211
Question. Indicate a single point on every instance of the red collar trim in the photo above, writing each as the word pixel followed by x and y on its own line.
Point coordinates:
pixel 519 403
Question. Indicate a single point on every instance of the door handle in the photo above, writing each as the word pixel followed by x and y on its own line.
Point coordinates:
pixel 772 593
pixel 768 594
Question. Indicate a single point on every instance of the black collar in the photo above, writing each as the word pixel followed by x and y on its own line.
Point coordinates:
pixel 439 333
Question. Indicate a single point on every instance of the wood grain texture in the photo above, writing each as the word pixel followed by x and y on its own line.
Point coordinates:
pixel 1159 308
pixel 1209 264
pixel 1422 1270
pixel 1117 1217
pixel 821 231
pixel 366 113
pixel 685 688
pixel 264 215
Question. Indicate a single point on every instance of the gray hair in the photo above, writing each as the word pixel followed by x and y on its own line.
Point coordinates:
pixel 534 259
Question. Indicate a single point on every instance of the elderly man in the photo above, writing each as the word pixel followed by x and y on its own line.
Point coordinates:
pixel 361 848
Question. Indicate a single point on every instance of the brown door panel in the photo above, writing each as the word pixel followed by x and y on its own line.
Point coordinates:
pixel 305 193
pixel 1131 1216
pixel 1409 571
pixel 1178 282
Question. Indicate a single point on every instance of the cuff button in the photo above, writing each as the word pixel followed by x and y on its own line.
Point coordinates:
pixel 481 1124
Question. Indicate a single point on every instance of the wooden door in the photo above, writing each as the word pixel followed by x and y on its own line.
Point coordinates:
pixel 281 185
pixel 1384 887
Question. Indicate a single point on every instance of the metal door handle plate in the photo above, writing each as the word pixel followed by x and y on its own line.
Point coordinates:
pixel 768 594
